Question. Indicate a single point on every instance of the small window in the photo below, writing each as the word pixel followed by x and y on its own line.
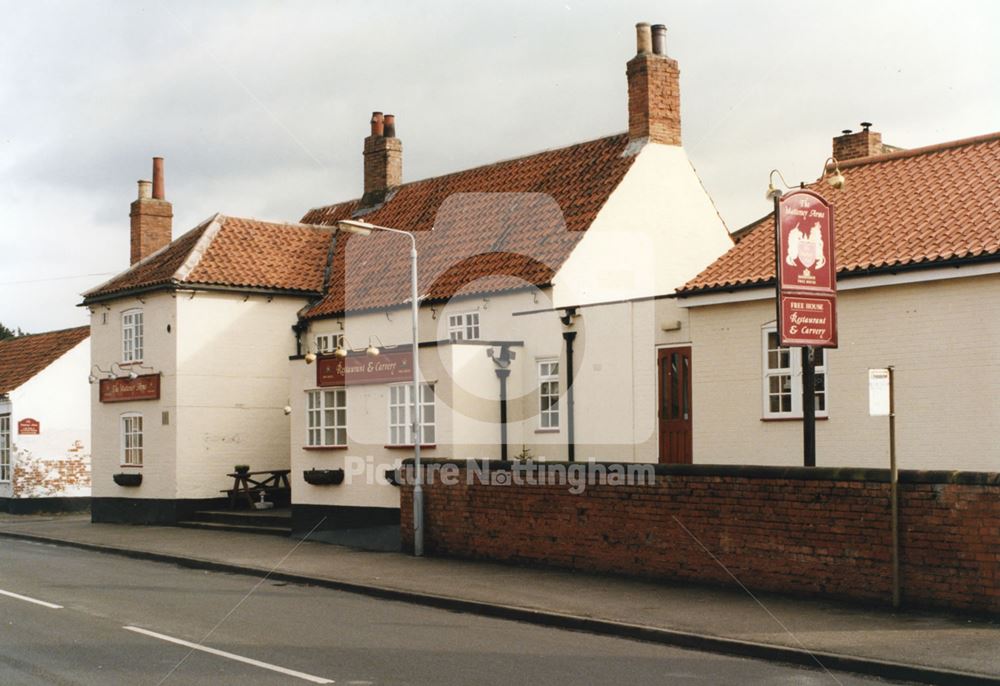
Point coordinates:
pixel 326 343
pixel 548 394
pixel 463 327
pixel 401 412
pixel 326 418
pixel 132 443
pixel 4 447
pixel 782 389
pixel 132 336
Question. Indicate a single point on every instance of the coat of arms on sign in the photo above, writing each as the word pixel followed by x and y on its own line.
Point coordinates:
pixel 807 250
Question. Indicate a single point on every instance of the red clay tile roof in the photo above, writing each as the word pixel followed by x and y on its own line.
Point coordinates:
pixel 912 207
pixel 232 252
pixel 23 357
pixel 496 227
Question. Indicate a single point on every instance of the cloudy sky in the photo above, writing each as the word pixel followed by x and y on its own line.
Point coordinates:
pixel 260 108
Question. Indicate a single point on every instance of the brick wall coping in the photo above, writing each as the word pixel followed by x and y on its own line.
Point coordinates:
pixel 912 476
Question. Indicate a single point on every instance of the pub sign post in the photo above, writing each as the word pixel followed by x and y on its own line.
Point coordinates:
pixel 806 291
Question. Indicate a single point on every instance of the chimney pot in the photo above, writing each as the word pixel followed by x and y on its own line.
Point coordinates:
pixel 866 125
pixel 389 128
pixel 145 189
pixel 660 39
pixel 845 131
pixel 643 39
pixel 158 179
pixel 377 124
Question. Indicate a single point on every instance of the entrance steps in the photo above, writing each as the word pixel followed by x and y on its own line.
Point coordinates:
pixel 276 522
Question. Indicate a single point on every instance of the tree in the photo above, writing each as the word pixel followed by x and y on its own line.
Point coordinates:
pixel 9 333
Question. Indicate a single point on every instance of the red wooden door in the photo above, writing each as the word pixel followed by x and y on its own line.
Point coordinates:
pixel 674 372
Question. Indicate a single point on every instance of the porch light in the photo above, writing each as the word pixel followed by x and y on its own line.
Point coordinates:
pixel 93 378
pixel 836 180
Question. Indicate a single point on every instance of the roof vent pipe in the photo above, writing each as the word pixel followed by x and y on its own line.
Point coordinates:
pixel 643 39
pixel 660 39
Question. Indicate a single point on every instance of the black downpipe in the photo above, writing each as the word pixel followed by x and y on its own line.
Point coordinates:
pixel 569 337
pixel 299 327
pixel 502 374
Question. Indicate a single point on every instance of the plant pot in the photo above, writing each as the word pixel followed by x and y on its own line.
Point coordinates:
pixel 324 477
pixel 128 478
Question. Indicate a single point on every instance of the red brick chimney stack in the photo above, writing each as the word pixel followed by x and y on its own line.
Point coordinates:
pixel 654 95
pixel 151 215
pixel 864 143
pixel 383 159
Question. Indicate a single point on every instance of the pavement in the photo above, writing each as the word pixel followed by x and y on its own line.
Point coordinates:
pixel 913 646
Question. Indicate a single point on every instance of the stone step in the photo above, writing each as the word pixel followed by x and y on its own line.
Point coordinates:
pixel 238 528
pixel 265 518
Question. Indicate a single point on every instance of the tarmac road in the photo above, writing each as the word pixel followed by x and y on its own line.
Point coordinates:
pixel 108 620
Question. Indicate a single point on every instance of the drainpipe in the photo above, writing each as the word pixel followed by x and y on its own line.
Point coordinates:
pixel 502 374
pixel 569 337
pixel 299 328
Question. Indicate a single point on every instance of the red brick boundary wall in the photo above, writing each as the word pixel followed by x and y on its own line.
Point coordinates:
pixel 807 531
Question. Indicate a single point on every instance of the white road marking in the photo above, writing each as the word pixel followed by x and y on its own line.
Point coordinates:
pixel 231 656
pixel 51 606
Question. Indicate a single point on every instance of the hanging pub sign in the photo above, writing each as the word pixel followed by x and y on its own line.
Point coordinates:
pixel 29 427
pixel 358 370
pixel 145 387
pixel 808 320
pixel 807 281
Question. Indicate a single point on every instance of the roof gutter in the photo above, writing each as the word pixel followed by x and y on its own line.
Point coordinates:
pixel 888 270
pixel 174 286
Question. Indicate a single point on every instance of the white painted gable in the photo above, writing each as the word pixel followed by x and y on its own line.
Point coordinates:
pixel 657 230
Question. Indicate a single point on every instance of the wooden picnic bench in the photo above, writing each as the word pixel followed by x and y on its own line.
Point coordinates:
pixel 247 486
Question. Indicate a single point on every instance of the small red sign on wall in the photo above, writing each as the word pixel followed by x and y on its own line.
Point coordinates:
pixel 29 427
pixel 356 370
pixel 145 387
pixel 809 320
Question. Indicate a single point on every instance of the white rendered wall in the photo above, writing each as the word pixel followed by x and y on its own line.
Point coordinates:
pixel 59 398
pixel 232 386
pixel 657 230
pixel 224 384
pixel 159 356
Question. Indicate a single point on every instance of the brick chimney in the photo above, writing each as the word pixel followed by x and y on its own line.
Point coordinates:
pixel 654 95
pixel 383 159
pixel 864 143
pixel 152 216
